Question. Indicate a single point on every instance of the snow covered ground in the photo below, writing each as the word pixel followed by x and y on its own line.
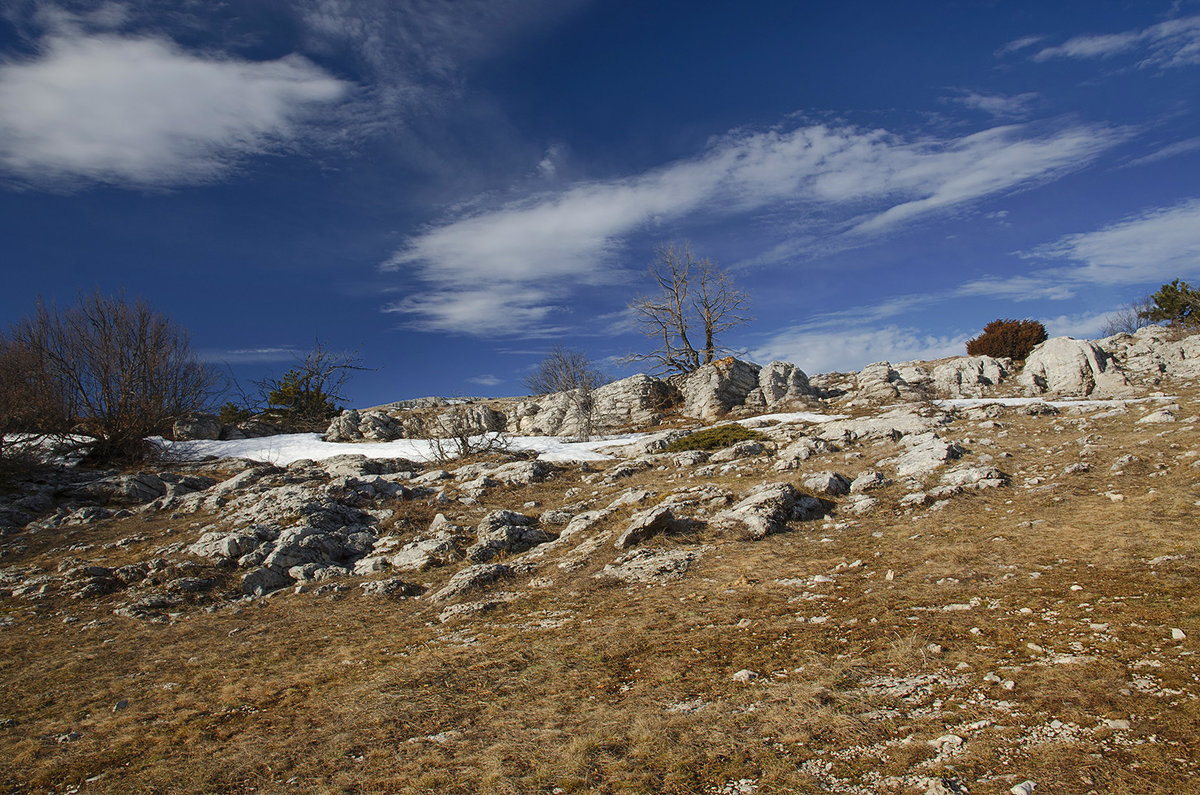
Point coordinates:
pixel 284 449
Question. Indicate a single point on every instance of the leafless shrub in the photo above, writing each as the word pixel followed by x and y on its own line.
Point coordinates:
pixel 112 370
pixel 457 434
pixel 1129 319
pixel 571 373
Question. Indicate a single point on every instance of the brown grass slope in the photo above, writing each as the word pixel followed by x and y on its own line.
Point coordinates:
pixel 1013 633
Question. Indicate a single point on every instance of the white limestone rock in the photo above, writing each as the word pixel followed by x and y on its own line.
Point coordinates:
pixel 1069 367
pixel 970 376
pixel 712 391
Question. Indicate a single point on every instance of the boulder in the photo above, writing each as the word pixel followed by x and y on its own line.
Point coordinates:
pixel 868 481
pixel 652 565
pixel 133 489
pixel 263 580
pixel 881 383
pixel 742 449
pixel 892 424
pixel 830 483
pixel 801 450
pixel 1076 368
pixel 712 391
pixel 505 532
pixel 393 586
pixel 927 453
pixel 197 426
pixel 353 465
pixel 645 524
pixel 970 376
pixel 767 509
pixel 469 579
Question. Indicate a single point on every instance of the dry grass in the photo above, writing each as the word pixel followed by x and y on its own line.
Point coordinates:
pixel 594 686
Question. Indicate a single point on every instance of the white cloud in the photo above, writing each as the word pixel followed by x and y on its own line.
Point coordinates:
pixel 1020 44
pixel 142 111
pixel 856 182
pixel 1162 243
pixel 1085 326
pixel 850 348
pixel 250 355
pixel 485 380
pixel 1173 43
pixel 1016 288
pixel 999 105
pixel 1168 151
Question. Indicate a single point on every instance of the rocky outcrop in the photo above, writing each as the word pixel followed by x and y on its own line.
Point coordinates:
pixel 1154 353
pixel 1069 367
pixel 712 391
pixel 449 420
pixel 505 532
pixel 782 386
pixel 882 383
pixel 634 402
pixel 970 376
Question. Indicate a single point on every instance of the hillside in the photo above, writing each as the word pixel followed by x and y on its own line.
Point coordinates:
pixel 963 576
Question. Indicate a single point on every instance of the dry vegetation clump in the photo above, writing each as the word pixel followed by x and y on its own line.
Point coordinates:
pixel 1032 621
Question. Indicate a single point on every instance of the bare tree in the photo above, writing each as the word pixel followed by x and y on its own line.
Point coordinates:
pixel 696 299
pixel 118 371
pixel 30 409
pixel 1129 319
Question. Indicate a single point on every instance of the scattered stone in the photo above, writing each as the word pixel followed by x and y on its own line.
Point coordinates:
pixel 745 675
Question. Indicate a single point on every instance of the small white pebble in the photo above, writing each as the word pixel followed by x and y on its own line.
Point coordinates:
pixel 1024 788
pixel 1178 634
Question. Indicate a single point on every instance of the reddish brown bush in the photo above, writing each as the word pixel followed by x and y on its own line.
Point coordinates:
pixel 1011 338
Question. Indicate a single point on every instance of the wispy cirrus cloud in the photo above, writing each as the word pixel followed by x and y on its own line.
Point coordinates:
pixel 849 348
pixel 1160 243
pixel 1000 106
pixel 1173 43
pixel 1153 246
pixel 503 270
pixel 1166 152
pixel 258 355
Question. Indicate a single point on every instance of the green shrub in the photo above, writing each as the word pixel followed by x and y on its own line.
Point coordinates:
pixel 713 438
pixel 231 413
pixel 1008 338
pixel 1177 303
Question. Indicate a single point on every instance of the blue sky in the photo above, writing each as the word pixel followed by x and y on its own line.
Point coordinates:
pixel 451 188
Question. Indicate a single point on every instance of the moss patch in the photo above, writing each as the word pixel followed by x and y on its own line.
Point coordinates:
pixel 713 438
